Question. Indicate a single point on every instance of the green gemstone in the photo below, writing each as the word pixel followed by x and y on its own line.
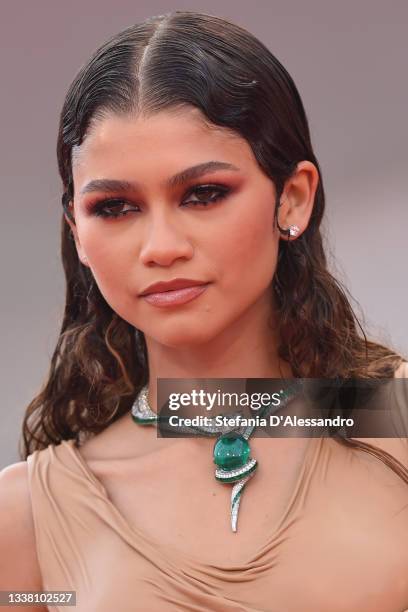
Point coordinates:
pixel 231 451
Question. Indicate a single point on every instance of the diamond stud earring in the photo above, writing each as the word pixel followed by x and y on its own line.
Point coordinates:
pixel 294 230
pixel 291 231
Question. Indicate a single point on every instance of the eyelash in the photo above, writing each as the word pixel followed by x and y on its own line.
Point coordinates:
pixel 97 208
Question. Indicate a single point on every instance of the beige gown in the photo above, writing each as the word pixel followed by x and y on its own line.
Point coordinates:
pixel 341 544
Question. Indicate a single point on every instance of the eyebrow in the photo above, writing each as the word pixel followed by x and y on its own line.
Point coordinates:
pixel 114 185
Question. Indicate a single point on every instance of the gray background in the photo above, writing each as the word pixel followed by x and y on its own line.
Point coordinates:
pixel 349 61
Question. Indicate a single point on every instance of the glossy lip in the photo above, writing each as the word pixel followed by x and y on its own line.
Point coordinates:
pixel 176 283
pixel 165 299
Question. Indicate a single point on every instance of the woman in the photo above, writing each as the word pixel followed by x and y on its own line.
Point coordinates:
pixel 184 152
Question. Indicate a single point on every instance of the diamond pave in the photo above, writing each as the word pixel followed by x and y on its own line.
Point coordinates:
pixel 238 475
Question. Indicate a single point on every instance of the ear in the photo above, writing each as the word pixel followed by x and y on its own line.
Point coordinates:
pixel 297 198
pixel 81 255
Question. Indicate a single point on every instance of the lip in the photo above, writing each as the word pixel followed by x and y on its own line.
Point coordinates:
pixel 176 283
pixel 165 299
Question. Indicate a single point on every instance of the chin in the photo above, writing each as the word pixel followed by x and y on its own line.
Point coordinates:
pixel 185 336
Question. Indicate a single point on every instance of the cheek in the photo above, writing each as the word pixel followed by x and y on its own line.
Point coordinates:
pixel 109 260
pixel 240 254
pixel 249 249
pixel 113 272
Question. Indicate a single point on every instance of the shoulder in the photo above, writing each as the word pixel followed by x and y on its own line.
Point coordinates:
pixel 402 370
pixel 15 505
pixel 397 447
pixel 19 568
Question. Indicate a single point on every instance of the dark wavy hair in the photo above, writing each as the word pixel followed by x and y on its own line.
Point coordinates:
pixel 200 60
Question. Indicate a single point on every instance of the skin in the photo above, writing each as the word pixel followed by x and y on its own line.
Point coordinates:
pixel 232 243
pixel 228 332
pixel 224 333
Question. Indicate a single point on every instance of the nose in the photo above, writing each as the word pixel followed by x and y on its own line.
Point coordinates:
pixel 164 243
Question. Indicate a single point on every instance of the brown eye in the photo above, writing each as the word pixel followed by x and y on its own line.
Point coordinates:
pixel 114 205
pixel 207 194
pixel 204 195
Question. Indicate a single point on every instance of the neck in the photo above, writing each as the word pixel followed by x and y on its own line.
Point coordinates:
pixel 248 348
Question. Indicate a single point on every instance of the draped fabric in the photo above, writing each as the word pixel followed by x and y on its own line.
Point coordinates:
pixel 341 545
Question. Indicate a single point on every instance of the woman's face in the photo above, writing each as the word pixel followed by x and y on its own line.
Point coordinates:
pixel 214 225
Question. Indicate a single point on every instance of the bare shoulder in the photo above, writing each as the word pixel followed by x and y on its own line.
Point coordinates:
pixel 19 568
pixel 402 370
